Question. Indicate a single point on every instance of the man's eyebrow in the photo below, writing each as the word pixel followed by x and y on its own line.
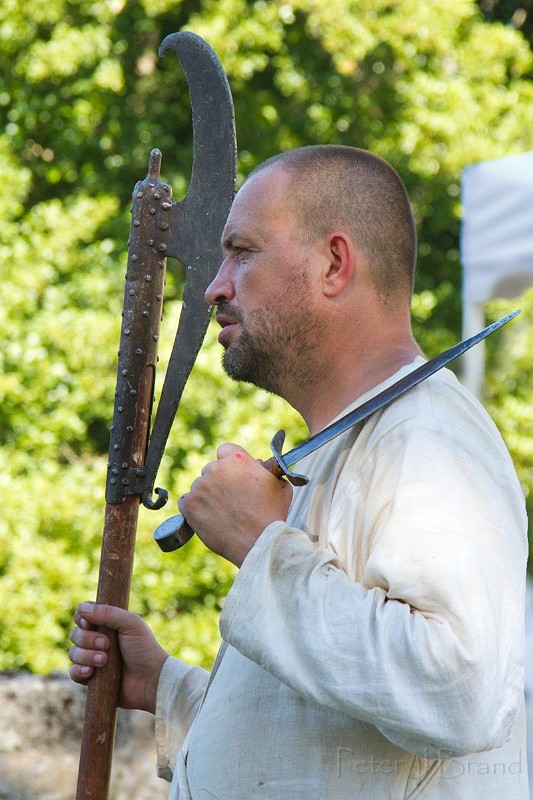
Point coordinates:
pixel 234 239
pixel 227 241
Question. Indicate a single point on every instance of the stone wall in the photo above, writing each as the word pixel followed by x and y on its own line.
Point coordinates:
pixel 41 720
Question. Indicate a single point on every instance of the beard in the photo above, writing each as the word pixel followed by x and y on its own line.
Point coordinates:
pixel 251 360
pixel 278 355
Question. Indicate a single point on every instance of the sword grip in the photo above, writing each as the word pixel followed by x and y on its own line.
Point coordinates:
pixel 175 531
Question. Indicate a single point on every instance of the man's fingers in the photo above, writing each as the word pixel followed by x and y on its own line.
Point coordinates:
pixel 90 644
pixel 80 674
pixel 78 619
pixel 89 640
pixel 229 449
pixel 87 658
pixel 118 619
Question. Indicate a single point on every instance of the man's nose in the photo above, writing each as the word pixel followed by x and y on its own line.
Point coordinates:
pixel 221 287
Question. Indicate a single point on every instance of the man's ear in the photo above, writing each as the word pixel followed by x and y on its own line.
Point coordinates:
pixel 340 269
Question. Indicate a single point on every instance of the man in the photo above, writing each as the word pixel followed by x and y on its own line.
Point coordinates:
pixel 372 640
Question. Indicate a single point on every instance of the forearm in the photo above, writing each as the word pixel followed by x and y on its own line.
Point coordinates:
pixel 179 694
pixel 297 614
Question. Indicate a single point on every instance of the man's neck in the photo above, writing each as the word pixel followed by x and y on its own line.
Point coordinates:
pixel 340 383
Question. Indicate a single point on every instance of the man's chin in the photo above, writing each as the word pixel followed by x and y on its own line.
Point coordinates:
pixel 237 367
pixel 231 364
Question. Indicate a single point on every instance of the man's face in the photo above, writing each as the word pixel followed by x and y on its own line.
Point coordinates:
pixel 264 288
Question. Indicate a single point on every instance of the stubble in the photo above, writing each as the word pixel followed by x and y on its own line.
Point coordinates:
pixel 275 348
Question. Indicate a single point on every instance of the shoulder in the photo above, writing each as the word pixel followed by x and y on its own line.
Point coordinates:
pixel 435 427
pixel 443 405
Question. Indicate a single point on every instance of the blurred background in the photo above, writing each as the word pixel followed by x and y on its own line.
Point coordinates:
pixel 431 86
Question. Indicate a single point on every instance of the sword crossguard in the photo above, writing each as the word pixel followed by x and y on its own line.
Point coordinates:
pixel 283 471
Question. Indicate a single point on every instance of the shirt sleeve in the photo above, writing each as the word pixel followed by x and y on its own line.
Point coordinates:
pixel 427 644
pixel 179 695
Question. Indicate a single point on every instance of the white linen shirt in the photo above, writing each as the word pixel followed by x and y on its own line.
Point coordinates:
pixel 373 642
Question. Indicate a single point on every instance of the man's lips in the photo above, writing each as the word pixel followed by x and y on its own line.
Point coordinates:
pixel 227 322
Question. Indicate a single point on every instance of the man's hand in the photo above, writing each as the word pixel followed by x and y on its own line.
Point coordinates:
pixel 142 656
pixel 233 502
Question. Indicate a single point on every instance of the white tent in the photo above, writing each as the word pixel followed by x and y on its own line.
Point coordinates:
pixel 497 257
pixel 496 243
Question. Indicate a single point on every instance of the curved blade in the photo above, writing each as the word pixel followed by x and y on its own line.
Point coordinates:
pixel 196 227
pixel 198 220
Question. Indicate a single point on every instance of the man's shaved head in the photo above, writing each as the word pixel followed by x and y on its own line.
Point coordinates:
pixel 335 187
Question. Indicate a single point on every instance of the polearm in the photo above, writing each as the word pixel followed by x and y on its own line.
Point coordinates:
pixel 188 230
pixel 129 437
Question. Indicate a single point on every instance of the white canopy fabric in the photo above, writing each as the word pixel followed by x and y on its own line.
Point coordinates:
pixel 497 230
pixel 496 244
pixel 497 257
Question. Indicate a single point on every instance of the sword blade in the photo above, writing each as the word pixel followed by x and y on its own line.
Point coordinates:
pixel 174 532
pixel 391 392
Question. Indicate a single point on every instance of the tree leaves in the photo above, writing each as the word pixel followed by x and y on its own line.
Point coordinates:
pixel 431 87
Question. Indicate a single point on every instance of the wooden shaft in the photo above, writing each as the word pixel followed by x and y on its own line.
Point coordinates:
pixel 103 691
pixel 114 582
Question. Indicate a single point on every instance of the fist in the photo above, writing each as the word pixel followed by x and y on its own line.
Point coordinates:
pixel 233 501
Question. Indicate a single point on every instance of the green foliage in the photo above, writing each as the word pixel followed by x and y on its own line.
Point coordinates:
pixel 430 86
pixel 516 13
pixel 509 387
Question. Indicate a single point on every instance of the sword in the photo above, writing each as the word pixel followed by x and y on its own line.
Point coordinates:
pixel 174 532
